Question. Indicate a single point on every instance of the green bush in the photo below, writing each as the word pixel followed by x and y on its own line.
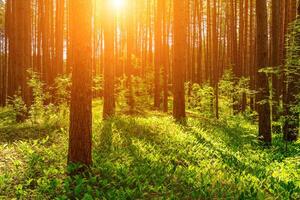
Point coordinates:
pixel 17 104
pixel 200 98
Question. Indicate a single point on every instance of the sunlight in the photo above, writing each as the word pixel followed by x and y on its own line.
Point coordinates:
pixel 118 4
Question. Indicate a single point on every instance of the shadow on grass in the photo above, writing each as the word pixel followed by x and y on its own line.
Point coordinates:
pixel 138 174
pixel 21 132
pixel 236 137
pixel 237 166
pixel 151 164
pixel 106 135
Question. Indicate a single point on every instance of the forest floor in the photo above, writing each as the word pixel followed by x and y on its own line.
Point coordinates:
pixel 147 157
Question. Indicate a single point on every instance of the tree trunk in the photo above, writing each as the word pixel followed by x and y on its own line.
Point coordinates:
pixel 80 136
pixel 291 125
pixel 158 53
pixel 179 62
pixel 109 72
pixel 262 79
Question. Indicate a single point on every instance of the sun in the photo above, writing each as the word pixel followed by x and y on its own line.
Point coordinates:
pixel 118 4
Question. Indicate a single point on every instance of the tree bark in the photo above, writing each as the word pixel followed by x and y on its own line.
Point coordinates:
pixel 109 72
pixel 179 63
pixel 262 80
pixel 80 135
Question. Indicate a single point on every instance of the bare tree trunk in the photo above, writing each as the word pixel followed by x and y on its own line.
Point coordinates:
pixel 80 136
pixel 158 53
pixel 109 64
pixel 179 60
pixel 262 79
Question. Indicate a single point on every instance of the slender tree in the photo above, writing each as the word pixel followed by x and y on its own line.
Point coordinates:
pixel 18 30
pixel 262 80
pixel 80 136
pixel 276 59
pixel 4 41
pixel 292 89
pixel 165 55
pixel 59 37
pixel 109 100
pixel 158 53
pixel 129 56
pixel 179 59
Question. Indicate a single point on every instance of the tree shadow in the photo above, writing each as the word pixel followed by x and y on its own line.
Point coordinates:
pixel 24 132
pixel 170 168
pixel 130 128
pixel 237 164
pixel 106 135
pixel 142 167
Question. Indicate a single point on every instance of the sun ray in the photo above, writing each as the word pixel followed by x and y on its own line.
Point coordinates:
pixel 118 4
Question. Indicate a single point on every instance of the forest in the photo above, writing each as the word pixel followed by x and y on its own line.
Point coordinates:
pixel 149 99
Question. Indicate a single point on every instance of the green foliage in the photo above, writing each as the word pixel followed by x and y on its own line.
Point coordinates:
pixel 149 157
pixel 17 104
pixel 121 92
pixel 37 110
pixel 98 84
pixel 62 86
pixel 200 98
pixel 232 90
pixel 141 91
pixel 45 108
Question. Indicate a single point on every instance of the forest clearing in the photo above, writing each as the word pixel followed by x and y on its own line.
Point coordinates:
pixel 149 99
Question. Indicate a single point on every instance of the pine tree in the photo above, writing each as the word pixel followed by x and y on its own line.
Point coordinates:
pixel 80 138
pixel 262 80
pixel 179 59
pixel 109 100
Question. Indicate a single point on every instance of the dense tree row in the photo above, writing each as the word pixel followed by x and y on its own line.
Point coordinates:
pixel 170 42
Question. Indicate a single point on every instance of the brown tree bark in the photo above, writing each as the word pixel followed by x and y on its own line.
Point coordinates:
pixel 158 53
pixel 80 135
pixel 19 55
pixel 292 77
pixel 179 61
pixel 130 53
pixel 109 64
pixel 276 60
pixel 59 37
pixel 165 57
pixel 262 79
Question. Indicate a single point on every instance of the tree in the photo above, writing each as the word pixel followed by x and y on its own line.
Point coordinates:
pixel 292 89
pixel 59 37
pixel 80 135
pixel 109 100
pixel 129 66
pixel 276 60
pixel 215 58
pixel 3 70
pixel 158 53
pixel 262 80
pixel 165 55
pixel 179 59
pixel 18 32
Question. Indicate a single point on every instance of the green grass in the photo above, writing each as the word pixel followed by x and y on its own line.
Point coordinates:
pixel 148 157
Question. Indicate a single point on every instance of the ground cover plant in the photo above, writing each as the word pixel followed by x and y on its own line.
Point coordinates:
pixel 148 157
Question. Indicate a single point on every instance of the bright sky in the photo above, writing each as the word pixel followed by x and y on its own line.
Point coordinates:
pixel 118 4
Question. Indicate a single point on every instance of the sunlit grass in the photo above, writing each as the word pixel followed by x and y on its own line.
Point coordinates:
pixel 149 157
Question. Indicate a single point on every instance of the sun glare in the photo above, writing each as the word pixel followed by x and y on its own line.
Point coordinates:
pixel 118 4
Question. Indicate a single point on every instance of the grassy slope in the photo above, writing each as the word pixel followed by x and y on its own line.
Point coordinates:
pixel 148 157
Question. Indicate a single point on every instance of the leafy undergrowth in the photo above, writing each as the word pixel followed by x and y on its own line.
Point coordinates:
pixel 148 157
